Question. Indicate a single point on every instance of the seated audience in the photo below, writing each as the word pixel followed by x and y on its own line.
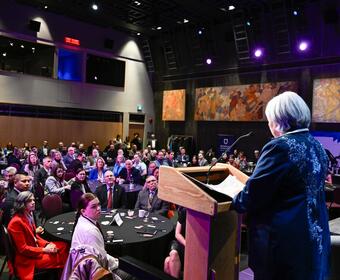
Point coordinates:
pixel 76 164
pixel 92 159
pixel 32 251
pixel 148 199
pixel 174 262
pixel 182 159
pixel 69 156
pixel 194 161
pixel 151 168
pixel 21 183
pixel 57 159
pixel 56 183
pixel 161 160
pixel 201 160
pixel 42 174
pixel 80 182
pixel 119 164
pixel 98 172
pixel 129 174
pixel 88 241
pixel 139 165
pixel 33 165
pixel 111 195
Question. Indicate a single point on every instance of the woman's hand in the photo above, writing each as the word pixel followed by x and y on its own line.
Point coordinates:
pixel 39 230
pixel 50 249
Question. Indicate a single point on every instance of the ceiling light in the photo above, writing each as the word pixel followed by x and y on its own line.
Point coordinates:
pixel 258 52
pixel 200 32
pixel 137 3
pixel 185 20
pixel 231 7
pixel 208 61
pixel 94 7
pixel 96 78
pixel 4 54
pixel 138 34
pixel 248 23
pixel 22 46
pixel 159 27
pixel 11 44
pixel 45 7
pixel 295 12
pixel 303 46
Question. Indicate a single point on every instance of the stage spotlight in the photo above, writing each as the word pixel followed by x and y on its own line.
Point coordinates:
pixel 208 61
pixel 303 46
pixel 258 52
pixel 94 7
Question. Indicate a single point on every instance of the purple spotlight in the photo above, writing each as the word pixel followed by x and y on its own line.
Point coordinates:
pixel 208 61
pixel 258 53
pixel 303 46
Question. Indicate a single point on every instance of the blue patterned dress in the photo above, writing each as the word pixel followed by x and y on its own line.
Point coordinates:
pixel 285 201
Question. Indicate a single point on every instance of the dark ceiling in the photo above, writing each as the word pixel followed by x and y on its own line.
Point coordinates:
pixel 145 16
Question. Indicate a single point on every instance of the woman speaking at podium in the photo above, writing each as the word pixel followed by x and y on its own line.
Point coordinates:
pixel 284 198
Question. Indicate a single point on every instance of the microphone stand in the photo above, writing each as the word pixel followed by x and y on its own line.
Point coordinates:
pixel 226 152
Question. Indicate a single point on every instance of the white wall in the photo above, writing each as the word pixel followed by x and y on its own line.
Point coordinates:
pixel 26 89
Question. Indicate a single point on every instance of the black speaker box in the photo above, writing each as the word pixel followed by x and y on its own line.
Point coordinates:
pixel 34 25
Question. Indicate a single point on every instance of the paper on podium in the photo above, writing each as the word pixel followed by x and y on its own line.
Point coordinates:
pixel 230 186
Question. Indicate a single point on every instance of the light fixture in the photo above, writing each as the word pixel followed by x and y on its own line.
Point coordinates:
pixel 95 77
pixel 231 7
pixel 45 7
pixel 200 31
pixel 4 54
pixel 159 27
pixel 11 44
pixel 258 52
pixel 208 61
pixel 303 45
pixel 295 12
pixel 137 3
pixel 185 20
pixel 248 23
pixel 138 34
pixel 94 7
pixel 22 46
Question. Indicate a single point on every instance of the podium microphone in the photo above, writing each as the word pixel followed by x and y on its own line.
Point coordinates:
pixel 226 151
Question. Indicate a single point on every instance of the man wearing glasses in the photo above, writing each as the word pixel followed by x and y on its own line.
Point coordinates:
pixel 148 199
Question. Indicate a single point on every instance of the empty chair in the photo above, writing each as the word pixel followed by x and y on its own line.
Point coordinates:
pixel 52 205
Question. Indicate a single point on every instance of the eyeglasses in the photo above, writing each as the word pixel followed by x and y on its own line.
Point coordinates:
pixel 151 181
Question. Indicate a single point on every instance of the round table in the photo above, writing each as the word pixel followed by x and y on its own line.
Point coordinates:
pixel 151 249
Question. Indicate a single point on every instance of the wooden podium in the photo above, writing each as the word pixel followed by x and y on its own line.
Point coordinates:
pixel 212 231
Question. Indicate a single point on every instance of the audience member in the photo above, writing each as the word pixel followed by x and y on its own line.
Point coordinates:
pixel 33 165
pixel 88 242
pixel 32 251
pixel 98 172
pixel 80 182
pixel 119 165
pixel 194 161
pixel 129 174
pixel 201 160
pixel 9 174
pixel 174 262
pixel 21 183
pixel 92 159
pixel 161 160
pixel 44 150
pixel 42 174
pixel 69 157
pixel 57 159
pixel 148 199
pixel 182 159
pixel 111 195
pixel 139 165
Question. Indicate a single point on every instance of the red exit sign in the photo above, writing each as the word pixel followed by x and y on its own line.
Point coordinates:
pixel 71 41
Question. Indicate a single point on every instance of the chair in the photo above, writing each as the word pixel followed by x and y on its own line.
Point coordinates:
pixel 8 245
pixel 142 270
pixel 75 197
pixel 52 205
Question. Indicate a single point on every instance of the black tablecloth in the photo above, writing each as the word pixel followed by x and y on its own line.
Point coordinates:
pixel 148 249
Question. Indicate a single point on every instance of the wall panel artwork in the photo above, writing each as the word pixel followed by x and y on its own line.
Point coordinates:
pixel 237 103
pixel 326 100
pixel 174 105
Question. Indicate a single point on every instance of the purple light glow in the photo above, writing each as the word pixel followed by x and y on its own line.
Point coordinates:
pixel 258 53
pixel 208 61
pixel 303 45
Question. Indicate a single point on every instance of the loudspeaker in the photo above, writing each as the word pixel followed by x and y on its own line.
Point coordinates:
pixel 108 43
pixel 34 25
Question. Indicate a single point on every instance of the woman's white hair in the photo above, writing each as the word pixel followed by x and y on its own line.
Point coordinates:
pixel 288 111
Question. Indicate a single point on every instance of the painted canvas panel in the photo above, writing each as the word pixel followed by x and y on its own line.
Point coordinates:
pixel 326 100
pixel 173 105
pixel 237 103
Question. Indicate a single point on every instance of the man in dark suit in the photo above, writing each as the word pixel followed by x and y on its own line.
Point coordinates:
pixel 21 183
pixel 130 174
pixel 110 195
pixel 148 199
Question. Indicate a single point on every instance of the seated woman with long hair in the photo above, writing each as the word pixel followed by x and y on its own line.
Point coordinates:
pixel 32 251
pixel 79 186
pixel 88 241
pixel 98 172
pixel 32 165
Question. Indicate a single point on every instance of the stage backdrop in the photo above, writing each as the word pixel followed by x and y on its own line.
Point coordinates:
pixel 326 100
pixel 237 103
pixel 174 105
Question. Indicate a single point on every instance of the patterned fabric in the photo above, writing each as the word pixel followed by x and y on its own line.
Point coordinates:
pixel 285 202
